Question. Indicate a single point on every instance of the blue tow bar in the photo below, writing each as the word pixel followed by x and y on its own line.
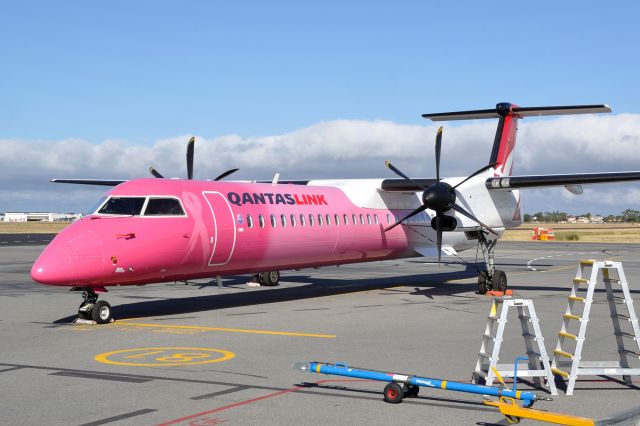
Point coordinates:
pixel 401 385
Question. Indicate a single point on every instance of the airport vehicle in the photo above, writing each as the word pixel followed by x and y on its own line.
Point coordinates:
pixel 158 230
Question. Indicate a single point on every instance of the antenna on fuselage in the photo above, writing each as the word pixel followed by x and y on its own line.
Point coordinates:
pixel 276 177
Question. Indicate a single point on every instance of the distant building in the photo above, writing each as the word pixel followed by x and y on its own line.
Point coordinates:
pixel 39 217
pixel 583 219
pixel 597 219
pixel 571 219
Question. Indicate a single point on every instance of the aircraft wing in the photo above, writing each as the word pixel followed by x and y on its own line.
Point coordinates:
pixel 102 182
pixel 540 181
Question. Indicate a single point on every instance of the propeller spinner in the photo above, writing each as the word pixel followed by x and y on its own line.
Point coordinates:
pixel 439 197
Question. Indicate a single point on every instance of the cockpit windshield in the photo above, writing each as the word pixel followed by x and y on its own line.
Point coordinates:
pixel 163 207
pixel 130 206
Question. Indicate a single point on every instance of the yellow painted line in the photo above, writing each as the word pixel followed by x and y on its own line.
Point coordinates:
pixel 228 330
pixel 171 357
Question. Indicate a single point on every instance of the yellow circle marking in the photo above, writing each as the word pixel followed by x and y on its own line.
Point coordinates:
pixel 164 357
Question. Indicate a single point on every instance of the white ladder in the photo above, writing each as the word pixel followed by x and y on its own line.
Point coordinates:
pixel 538 361
pixel 562 356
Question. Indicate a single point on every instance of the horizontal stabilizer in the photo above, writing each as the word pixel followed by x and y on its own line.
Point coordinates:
pixel 504 109
pixel 101 182
pixel 540 181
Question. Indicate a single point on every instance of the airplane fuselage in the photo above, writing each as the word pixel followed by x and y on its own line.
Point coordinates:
pixel 180 230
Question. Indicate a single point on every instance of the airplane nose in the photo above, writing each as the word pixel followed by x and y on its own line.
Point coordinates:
pixel 54 267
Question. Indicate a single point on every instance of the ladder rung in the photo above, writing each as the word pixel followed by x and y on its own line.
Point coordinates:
pixel 625 334
pixel 577 298
pixel 629 352
pixel 529 336
pixel 490 318
pixel 621 316
pixel 568 335
pixel 587 262
pixel 484 355
pixel 580 280
pixel 534 354
pixel 563 353
pixel 571 316
pixel 522 317
pixel 489 336
pixel 558 372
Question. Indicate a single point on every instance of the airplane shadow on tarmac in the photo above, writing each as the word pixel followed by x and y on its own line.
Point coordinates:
pixel 433 283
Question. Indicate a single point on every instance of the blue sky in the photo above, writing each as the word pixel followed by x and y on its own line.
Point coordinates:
pixel 144 71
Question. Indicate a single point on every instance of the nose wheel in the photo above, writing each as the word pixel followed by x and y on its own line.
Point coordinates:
pixel 92 309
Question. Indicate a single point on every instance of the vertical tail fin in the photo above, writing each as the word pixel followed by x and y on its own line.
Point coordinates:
pixel 505 140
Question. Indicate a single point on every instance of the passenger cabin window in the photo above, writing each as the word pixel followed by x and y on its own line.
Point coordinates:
pixel 353 219
pixel 293 220
pixel 130 206
pixel 375 218
pixel 163 207
pixel 273 221
pixel 261 220
pixel 388 218
pixel 361 219
pixel 346 220
pixel 319 219
pixel 249 221
pixel 328 220
pixel 310 220
pixel 368 218
pixel 302 220
pixel 336 219
pixel 283 220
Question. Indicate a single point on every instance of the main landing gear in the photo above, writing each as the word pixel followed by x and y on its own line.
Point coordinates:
pixel 490 278
pixel 268 278
pixel 91 308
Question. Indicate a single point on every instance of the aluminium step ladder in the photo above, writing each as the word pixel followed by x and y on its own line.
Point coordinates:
pixel 562 355
pixel 538 361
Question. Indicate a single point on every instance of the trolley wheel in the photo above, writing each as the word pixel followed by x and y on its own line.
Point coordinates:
pixel 412 391
pixel 499 280
pixel 393 393
pixel 483 285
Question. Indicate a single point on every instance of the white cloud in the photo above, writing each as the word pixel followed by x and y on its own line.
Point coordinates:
pixel 340 148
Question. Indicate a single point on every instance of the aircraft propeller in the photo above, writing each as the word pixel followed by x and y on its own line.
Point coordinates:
pixel 190 155
pixel 439 197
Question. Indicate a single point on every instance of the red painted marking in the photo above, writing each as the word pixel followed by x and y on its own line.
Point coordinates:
pixel 249 401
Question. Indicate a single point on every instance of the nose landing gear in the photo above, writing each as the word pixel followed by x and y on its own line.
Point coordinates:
pixel 91 308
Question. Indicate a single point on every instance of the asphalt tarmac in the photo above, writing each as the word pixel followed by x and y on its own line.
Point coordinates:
pixel 196 354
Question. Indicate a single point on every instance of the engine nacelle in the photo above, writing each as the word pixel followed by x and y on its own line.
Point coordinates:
pixel 447 223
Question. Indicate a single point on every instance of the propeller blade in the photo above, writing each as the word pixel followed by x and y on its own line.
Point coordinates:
pixel 485 168
pixel 225 174
pixel 399 173
pixel 470 216
pixel 439 236
pixel 155 172
pixel 190 147
pixel 438 149
pixel 413 213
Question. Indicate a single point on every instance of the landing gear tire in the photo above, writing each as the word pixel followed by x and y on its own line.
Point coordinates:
pixel 499 280
pixel 393 393
pixel 483 283
pixel 269 278
pixel 101 312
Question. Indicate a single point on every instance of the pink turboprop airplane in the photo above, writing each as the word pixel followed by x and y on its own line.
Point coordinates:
pixel 157 230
